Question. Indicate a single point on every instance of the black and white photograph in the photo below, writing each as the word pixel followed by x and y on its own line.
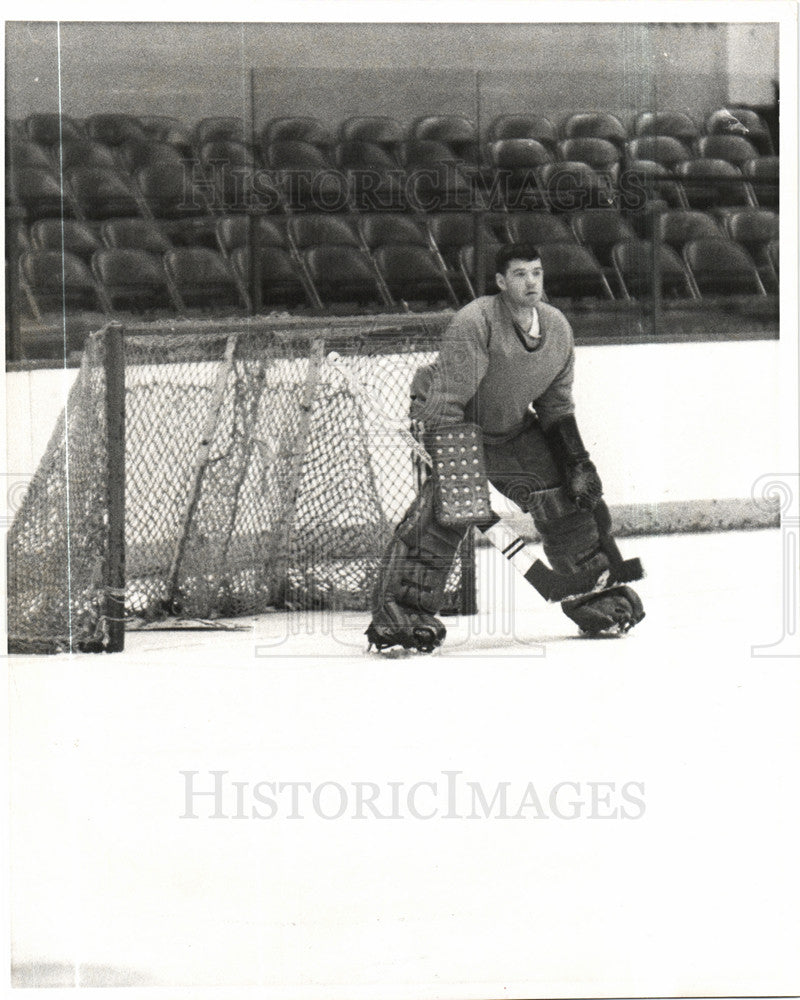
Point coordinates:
pixel 402 500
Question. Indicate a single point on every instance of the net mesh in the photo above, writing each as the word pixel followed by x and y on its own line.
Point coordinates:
pixel 264 467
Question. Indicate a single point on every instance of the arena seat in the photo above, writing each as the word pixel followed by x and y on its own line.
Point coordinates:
pixel 84 153
pixel 279 280
pixel 676 124
pixel 378 130
pixel 742 121
pixel 375 181
pixel 101 192
pixel 708 183
pixel 468 266
pixel 344 274
pixel 599 154
pixel 634 261
pixel 536 228
pixel 26 153
pixel 312 229
pixel 679 226
pixel 302 128
pixel 451 231
pixel 648 184
pixel 754 229
pixel 113 129
pixel 73 235
pixel 524 126
pixel 571 271
pixel 56 281
pixel 514 165
pixel 457 132
pixel 134 234
pixel 763 176
pixel 599 230
pixel 306 177
pixel 39 193
pixel 663 149
pixel 733 148
pixel 229 152
pixel 163 128
pixel 720 267
pixel 391 230
pixel 411 273
pixel 435 178
pixel 573 187
pixel 594 124
pixel 172 190
pixel 134 280
pixel 145 153
pixel 203 279
pixel 51 128
pixel 222 128
pixel 235 231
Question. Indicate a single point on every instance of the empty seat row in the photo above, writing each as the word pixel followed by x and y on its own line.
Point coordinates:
pixel 458 131
pixel 378 268
pixel 180 190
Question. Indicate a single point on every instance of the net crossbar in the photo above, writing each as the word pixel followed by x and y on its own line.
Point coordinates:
pixel 264 467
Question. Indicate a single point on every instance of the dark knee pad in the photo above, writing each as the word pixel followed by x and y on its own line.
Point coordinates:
pixel 570 536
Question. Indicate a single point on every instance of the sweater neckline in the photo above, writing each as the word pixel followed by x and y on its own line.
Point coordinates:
pixel 531 344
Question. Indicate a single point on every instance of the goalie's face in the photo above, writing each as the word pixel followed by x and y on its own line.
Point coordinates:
pixel 522 285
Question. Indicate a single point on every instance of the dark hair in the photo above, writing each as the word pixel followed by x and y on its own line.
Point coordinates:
pixel 514 251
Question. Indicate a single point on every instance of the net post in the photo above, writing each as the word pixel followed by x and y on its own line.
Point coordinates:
pixel 114 575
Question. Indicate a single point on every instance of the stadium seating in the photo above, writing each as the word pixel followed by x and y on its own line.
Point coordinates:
pixel 134 234
pixel 720 267
pixel 113 129
pixel 595 124
pixel 708 183
pixel 663 149
pixel 102 192
pixel 676 124
pixel 155 214
pixel 573 187
pixel 224 128
pixel 599 230
pixel 457 132
pixel 742 121
pixel 76 237
pixel 733 148
pixel 411 273
pixel 203 279
pixel 537 228
pixel 524 126
pixel 763 176
pixel 599 154
pixel 572 272
pixel 515 163
pixel 279 281
pixel 134 280
pixel 634 262
pixel 378 130
pixel 344 274
pixel 55 281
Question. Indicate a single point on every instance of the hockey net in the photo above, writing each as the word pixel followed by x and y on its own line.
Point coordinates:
pixel 265 466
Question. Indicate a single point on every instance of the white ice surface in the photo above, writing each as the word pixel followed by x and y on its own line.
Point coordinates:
pixel 699 895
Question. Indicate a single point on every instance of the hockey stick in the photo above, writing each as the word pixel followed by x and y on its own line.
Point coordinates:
pixel 550 585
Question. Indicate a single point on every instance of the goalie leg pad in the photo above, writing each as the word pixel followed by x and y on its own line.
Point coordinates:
pixel 570 537
pixel 411 579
